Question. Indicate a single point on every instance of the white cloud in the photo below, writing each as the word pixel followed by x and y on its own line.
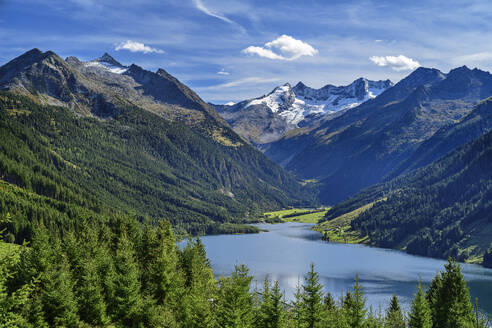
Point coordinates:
pixel 397 63
pixel 477 57
pixel 245 81
pixel 283 48
pixel 262 52
pixel 134 46
pixel 223 72
pixel 200 6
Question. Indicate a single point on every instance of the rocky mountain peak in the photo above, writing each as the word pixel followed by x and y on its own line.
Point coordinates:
pixel 108 59
pixel 422 75
pixel 300 86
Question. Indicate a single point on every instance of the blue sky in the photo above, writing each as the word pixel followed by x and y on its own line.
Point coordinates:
pixel 233 50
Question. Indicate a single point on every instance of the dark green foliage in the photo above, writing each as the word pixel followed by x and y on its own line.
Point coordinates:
pixel 449 299
pixel 128 305
pixel 235 302
pixel 135 162
pixel 122 274
pixel 270 313
pixel 200 287
pixel 420 312
pixel 394 316
pixel 487 258
pixel 312 300
pixel 356 308
pixel 435 210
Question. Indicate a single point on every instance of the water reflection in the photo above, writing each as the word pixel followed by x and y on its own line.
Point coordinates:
pixel 286 251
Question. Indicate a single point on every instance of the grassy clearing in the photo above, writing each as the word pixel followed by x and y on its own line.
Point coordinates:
pixel 296 215
pixel 338 229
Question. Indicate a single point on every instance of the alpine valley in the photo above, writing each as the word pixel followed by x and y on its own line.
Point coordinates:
pixel 81 139
pixel 422 144
pixel 404 166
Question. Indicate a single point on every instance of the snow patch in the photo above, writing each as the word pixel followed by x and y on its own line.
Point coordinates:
pixel 295 104
pixel 106 66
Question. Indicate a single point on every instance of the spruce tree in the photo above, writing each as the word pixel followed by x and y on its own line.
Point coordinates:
pixel 394 316
pixel 92 306
pixel 14 306
pixel 261 315
pixel 329 302
pixel 374 320
pixel 200 289
pixel 276 314
pixel 357 311
pixel 235 302
pixel 449 299
pixel 312 300
pixel 271 311
pixel 420 312
pixel 296 311
pixel 161 259
pixel 127 299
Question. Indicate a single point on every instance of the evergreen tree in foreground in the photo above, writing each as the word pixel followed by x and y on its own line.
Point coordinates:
pixel 449 299
pixel 312 300
pixel 125 275
pixel 128 303
pixel 356 307
pixel 420 312
pixel 235 302
pixel 394 316
pixel 270 313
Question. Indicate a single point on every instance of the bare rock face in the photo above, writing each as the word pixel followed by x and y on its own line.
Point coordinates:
pixel 268 118
pixel 100 86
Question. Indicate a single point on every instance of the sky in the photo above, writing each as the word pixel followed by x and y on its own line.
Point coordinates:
pixel 232 50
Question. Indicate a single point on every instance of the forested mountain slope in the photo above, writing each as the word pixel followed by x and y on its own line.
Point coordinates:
pixel 366 143
pixel 141 154
pixel 443 209
pixel 449 137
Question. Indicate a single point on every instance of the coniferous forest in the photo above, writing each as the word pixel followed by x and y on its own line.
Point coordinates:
pixel 126 274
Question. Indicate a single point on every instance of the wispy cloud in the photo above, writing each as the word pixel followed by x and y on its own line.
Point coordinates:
pixel 473 58
pixel 397 63
pixel 134 46
pixel 201 6
pixel 286 47
pixel 223 72
pixel 241 82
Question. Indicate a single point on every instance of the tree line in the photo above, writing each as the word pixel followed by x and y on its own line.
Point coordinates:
pixel 126 274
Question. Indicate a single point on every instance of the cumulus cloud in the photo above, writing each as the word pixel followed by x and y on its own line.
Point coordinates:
pixel 397 63
pixel 262 52
pixel 283 48
pixel 134 46
pixel 223 72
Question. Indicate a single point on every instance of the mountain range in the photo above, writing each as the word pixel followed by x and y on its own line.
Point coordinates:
pixel 377 140
pixel 86 139
pixel 121 139
pixel 267 118
pixel 442 209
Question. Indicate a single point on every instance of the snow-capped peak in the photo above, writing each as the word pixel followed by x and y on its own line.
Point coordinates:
pixel 230 103
pixel 295 104
pixel 107 62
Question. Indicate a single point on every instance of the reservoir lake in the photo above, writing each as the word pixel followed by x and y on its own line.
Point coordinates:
pixel 285 252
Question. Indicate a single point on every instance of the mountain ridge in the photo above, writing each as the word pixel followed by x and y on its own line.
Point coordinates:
pixel 141 142
pixel 267 118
